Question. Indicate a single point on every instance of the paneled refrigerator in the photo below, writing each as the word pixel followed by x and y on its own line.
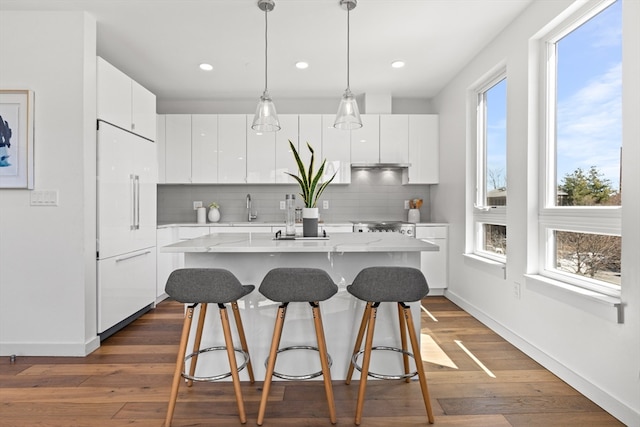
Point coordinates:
pixel 126 255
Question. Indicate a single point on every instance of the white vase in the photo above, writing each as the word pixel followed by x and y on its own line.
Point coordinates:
pixel 214 215
pixel 310 222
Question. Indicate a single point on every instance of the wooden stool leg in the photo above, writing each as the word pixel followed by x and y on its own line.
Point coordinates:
pixel 365 362
pixel 324 361
pixel 243 339
pixel 356 347
pixel 403 341
pixel 419 366
pixel 271 364
pixel 177 373
pixel 197 341
pixel 233 365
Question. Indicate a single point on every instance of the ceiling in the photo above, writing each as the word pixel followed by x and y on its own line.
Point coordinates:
pixel 160 44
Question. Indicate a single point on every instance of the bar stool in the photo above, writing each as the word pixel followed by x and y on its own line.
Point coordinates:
pixel 203 286
pixel 287 285
pixel 388 284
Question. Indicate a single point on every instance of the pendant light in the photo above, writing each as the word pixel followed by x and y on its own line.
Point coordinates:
pixel 348 116
pixel 266 118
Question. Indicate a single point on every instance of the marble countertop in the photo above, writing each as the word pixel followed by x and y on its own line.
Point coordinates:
pixel 273 224
pixel 266 243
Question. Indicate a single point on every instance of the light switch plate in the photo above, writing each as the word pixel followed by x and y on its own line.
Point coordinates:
pixel 197 205
pixel 44 198
pixel 325 204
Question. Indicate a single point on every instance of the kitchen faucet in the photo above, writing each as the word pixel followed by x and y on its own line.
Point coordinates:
pixel 249 214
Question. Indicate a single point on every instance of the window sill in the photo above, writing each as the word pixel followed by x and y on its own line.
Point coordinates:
pixel 594 302
pixel 495 268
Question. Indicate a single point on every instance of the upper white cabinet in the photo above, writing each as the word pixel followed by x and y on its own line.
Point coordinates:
pixel 365 142
pixel 124 102
pixel 310 131
pixel 261 155
pixel 285 162
pixel 394 138
pixel 161 147
pixel 178 148
pixel 204 148
pixel 232 148
pixel 336 149
pixel 423 149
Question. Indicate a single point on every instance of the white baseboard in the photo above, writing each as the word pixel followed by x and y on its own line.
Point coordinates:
pixel 616 408
pixel 50 349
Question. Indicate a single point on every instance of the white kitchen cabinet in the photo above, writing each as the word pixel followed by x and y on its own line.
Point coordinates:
pixel 310 130
pixel 161 147
pixel 394 138
pixel 232 148
pixel 204 148
pixel 434 264
pixel 261 155
pixel 178 148
pixel 123 102
pixel 336 149
pixel 365 141
pixel 285 162
pixel 423 149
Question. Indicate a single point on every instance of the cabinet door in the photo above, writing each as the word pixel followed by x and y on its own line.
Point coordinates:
pixel 394 138
pixel 204 148
pixel 114 95
pixel 261 155
pixel 232 148
pixel 143 111
pixel 336 148
pixel 365 142
pixel 166 261
pixel 146 170
pixel 434 264
pixel 161 147
pixel 178 148
pixel 310 130
pixel 285 162
pixel 423 149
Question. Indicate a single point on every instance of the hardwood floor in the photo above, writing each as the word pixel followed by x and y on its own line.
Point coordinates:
pixel 126 383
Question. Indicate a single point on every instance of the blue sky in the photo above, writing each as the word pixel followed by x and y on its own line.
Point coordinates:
pixel 589 116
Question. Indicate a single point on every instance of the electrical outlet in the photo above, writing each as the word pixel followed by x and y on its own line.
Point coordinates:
pixel 197 205
pixel 516 290
pixel 282 205
pixel 406 204
pixel 325 204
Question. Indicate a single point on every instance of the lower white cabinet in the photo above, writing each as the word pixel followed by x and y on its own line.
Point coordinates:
pixel 125 286
pixel 434 264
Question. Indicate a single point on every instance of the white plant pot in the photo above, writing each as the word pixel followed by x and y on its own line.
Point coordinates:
pixel 214 215
pixel 310 222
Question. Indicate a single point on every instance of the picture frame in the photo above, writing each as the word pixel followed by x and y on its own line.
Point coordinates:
pixel 16 139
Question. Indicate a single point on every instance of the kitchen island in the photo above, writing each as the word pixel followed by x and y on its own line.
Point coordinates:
pixel 251 255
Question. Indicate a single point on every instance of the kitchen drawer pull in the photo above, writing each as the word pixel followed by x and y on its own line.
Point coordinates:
pixel 124 258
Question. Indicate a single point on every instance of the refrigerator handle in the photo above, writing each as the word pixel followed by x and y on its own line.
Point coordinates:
pixel 132 224
pixel 137 202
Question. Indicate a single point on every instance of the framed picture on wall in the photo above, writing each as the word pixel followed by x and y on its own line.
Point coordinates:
pixel 16 139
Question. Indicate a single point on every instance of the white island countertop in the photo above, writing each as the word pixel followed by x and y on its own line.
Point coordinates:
pixel 266 243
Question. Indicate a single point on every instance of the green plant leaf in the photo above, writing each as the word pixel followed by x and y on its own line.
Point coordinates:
pixel 310 186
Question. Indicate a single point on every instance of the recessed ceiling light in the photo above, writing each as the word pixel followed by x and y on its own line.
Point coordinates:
pixel 301 65
pixel 206 67
pixel 397 64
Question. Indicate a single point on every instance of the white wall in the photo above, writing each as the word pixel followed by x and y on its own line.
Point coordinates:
pixel 596 355
pixel 47 254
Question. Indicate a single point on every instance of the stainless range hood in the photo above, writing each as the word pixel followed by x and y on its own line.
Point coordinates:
pixel 380 165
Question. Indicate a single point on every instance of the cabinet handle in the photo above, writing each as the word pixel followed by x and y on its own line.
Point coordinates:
pixel 124 258
pixel 132 225
pixel 137 182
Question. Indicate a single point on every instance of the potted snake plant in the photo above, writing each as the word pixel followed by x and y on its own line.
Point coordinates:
pixel 311 188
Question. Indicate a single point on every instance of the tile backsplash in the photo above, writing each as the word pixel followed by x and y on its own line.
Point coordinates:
pixel 373 195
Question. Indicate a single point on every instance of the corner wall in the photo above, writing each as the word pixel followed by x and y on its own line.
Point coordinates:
pixel 47 254
pixel 595 355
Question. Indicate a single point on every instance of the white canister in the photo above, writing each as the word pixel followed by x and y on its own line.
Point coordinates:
pixel 201 215
pixel 414 215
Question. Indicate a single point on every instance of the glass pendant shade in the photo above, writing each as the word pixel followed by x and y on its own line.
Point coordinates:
pixel 266 118
pixel 348 116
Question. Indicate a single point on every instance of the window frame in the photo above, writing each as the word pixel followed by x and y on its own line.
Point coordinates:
pixel 605 220
pixel 482 213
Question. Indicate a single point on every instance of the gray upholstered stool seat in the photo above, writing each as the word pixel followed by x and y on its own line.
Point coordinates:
pixel 203 286
pixel 286 285
pixel 388 284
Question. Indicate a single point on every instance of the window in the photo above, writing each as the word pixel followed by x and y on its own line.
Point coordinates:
pixel 582 193
pixel 490 236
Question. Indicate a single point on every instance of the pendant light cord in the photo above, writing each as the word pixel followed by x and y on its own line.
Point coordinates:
pixel 348 37
pixel 266 23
